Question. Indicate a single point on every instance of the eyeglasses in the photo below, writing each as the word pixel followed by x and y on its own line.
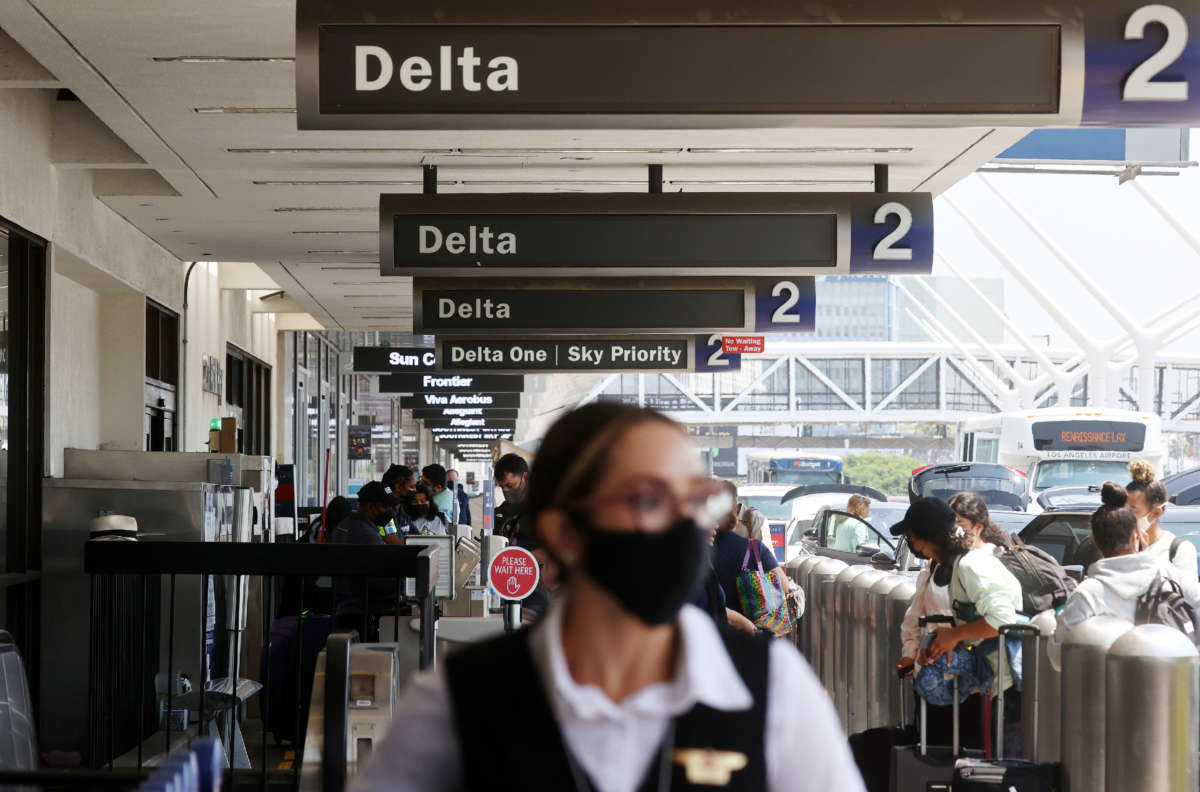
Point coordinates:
pixel 652 506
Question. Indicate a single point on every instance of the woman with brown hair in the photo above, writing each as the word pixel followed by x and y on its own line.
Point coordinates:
pixel 620 686
pixel 1148 500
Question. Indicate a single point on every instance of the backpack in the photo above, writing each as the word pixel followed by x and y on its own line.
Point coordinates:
pixel 1163 603
pixel 1044 583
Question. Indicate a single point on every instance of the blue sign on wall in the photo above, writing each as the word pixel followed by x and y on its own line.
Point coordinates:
pixel 710 358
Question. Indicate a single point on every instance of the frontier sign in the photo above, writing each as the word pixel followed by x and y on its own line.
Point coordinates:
pixel 628 64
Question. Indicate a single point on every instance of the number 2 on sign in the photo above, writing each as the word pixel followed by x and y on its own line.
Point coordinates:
pixel 717 358
pixel 781 315
pixel 1140 86
pixel 885 251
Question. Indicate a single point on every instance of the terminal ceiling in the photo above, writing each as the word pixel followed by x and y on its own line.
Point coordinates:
pixel 203 95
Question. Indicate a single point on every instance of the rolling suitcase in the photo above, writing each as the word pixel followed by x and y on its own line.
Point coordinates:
pixel 872 750
pixel 1008 775
pixel 923 767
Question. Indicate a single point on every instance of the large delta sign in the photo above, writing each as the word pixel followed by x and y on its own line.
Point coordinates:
pixel 379 64
pixel 655 305
pixel 643 235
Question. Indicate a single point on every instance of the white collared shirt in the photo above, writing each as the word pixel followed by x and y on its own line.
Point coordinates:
pixel 614 742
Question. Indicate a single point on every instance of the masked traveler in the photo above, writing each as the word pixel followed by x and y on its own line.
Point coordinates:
pixel 984 596
pixel 1122 576
pixel 425 519
pixel 366 526
pixel 464 500
pixel 1148 500
pixel 620 687
pixel 512 477
pixel 931 599
pixel 434 477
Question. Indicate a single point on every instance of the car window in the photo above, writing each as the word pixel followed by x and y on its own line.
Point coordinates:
pixel 770 506
pixel 846 532
pixel 1059 536
pixel 997 491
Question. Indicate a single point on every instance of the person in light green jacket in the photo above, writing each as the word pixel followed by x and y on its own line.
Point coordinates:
pixel 983 594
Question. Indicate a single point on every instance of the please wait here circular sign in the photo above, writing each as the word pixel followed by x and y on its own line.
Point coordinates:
pixel 514 573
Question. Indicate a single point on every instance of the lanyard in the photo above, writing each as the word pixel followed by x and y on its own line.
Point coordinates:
pixel 664 764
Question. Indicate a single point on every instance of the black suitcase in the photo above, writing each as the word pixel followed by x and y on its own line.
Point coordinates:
pixel 872 750
pixel 1009 775
pixel 289 687
pixel 922 767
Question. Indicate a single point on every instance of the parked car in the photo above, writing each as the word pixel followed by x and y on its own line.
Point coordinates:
pixel 1067 534
pixel 1183 487
pixel 807 502
pixel 768 499
pixel 1078 498
pixel 1001 486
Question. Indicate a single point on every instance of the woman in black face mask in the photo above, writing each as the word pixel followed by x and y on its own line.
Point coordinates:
pixel 621 687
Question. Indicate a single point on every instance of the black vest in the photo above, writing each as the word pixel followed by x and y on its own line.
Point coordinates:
pixel 509 738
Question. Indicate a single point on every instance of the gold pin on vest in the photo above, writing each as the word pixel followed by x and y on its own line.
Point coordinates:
pixel 707 767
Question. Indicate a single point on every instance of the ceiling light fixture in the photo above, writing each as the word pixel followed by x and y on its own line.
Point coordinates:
pixel 348 231
pixel 244 110
pixel 327 209
pixel 220 59
pixel 325 150
pixel 554 182
pixel 768 182
pixel 803 150
pixel 342 252
pixel 347 183
pixel 356 283
pixel 343 267
pixel 521 152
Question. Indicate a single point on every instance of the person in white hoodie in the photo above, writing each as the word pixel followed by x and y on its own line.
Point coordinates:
pixel 1148 500
pixel 1122 575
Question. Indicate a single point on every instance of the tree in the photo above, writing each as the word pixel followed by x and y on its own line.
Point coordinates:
pixel 885 472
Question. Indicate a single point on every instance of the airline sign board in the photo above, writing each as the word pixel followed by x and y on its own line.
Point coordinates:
pixel 628 64
pixel 601 306
pixel 644 235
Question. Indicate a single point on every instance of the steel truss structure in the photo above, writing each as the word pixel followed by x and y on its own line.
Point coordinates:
pixel 891 383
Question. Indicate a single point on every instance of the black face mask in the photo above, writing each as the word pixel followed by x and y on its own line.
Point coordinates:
pixel 417 511
pixel 385 517
pixel 652 575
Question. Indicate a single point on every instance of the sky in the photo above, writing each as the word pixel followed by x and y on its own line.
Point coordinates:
pixel 1108 229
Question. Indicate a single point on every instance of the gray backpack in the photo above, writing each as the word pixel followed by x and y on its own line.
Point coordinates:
pixel 1164 603
pixel 1044 582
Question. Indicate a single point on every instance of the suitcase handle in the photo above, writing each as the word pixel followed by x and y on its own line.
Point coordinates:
pixel 1002 662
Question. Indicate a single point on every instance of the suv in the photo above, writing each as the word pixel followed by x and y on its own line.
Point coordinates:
pixel 1062 533
pixel 1001 486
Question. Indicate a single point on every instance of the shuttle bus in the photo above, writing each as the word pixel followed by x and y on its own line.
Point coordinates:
pixel 795 470
pixel 1064 447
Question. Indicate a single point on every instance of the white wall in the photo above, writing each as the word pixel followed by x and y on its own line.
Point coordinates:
pixel 75 374
pixel 103 269
pixel 217 317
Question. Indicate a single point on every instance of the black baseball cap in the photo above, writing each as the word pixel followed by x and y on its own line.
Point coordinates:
pixel 927 518
pixel 375 492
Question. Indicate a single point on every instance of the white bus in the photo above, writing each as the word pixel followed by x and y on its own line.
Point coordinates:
pixel 1064 447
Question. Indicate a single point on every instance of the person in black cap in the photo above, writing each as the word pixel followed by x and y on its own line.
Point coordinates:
pixel 368 525
pixel 984 595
